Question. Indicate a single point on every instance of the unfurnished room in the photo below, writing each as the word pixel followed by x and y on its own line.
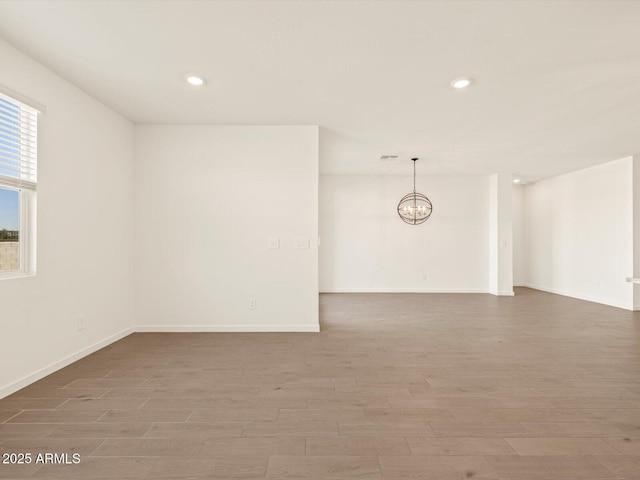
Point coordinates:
pixel 319 240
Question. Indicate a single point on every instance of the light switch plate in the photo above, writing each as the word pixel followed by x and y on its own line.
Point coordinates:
pixel 302 243
pixel 273 243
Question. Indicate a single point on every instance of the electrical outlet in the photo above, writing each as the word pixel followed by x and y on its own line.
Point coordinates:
pixel 252 304
pixel 423 276
pixel 81 322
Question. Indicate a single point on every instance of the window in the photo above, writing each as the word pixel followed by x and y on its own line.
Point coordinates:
pixel 18 180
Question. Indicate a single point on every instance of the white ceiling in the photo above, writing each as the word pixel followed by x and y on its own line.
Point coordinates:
pixel 558 83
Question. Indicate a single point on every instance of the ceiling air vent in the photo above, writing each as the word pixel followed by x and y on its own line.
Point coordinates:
pixel 388 157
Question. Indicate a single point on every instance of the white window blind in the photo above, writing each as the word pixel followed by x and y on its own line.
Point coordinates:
pixel 18 143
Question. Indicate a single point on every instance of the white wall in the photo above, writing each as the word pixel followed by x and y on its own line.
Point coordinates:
pixel 519 237
pixel 579 231
pixel 635 166
pixel 208 198
pixel 85 231
pixel 366 247
pixel 501 234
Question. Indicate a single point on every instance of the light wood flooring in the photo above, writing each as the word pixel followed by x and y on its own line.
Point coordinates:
pixel 396 386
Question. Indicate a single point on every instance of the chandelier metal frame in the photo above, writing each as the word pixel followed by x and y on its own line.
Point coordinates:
pixel 415 208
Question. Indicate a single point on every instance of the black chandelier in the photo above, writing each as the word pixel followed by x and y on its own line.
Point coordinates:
pixel 414 208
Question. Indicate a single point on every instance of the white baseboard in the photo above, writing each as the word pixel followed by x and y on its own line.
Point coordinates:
pixel 49 369
pixel 402 290
pixel 579 296
pixel 226 328
pixel 503 294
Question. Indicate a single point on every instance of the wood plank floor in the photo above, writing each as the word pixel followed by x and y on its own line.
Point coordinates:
pixel 396 386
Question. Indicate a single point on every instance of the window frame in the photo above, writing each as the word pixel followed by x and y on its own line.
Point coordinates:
pixel 26 227
pixel 26 202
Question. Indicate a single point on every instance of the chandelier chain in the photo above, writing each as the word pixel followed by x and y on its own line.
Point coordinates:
pixel 414 176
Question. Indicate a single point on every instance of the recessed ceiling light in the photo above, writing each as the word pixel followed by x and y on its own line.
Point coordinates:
pixel 516 180
pixel 194 80
pixel 461 82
